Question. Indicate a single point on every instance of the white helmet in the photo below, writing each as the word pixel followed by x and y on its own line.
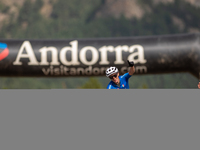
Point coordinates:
pixel 111 70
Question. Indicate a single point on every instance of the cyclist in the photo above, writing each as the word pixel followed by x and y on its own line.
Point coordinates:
pixel 119 82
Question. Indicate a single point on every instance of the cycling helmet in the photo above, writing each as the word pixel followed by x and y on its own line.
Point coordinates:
pixel 111 70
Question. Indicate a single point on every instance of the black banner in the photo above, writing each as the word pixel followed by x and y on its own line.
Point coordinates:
pixel 91 57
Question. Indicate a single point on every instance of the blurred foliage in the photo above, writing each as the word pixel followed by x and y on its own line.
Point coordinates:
pixel 92 83
pixel 3 8
pixel 77 19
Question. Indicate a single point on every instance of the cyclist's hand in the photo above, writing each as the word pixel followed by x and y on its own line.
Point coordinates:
pixel 130 63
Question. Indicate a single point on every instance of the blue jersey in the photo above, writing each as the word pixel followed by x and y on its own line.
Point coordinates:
pixel 123 82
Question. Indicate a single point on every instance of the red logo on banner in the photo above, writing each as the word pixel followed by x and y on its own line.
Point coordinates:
pixel 5 51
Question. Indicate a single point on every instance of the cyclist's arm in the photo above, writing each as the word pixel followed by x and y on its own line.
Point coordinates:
pixel 131 71
pixel 109 86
